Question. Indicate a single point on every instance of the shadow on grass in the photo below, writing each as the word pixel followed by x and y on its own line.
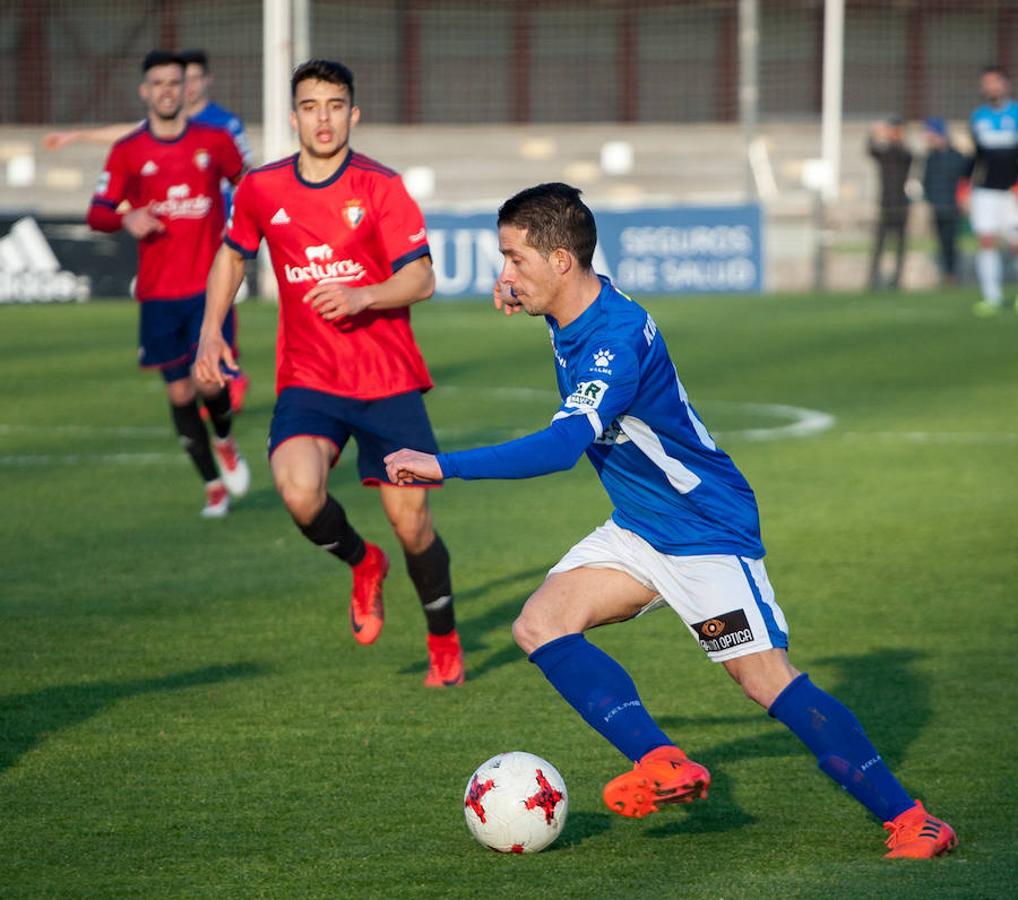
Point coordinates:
pixel 580 826
pixel 28 719
pixel 495 622
pixel 887 695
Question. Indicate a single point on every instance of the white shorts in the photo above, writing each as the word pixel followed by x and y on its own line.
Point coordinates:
pixel 726 602
pixel 994 213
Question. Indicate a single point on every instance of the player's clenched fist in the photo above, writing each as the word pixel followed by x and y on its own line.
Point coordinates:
pixel 505 299
pixel 213 360
pixel 406 466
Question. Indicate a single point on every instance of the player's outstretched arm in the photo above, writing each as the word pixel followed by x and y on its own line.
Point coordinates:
pixel 554 449
pixel 104 134
pixel 411 284
pixel 214 354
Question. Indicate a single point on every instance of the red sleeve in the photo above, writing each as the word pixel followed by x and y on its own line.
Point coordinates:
pixel 231 163
pixel 109 193
pixel 401 225
pixel 242 231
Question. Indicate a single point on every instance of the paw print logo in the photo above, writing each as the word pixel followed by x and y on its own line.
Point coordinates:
pixel 603 358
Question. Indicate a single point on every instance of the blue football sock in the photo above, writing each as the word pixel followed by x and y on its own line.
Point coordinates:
pixel 601 691
pixel 841 747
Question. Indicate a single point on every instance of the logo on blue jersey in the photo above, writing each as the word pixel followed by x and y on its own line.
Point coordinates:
pixel 649 330
pixel 588 395
pixel 612 435
pixel 554 349
pixel 602 360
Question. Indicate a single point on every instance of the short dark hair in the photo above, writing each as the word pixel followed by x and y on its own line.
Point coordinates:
pixel 321 70
pixel 554 217
pixel 160 58
pixel 195 57
pixel 994 70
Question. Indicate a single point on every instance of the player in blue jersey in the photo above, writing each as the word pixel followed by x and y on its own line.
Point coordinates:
pixel 198 108
pixel 994 209
pixel 197 85
pixel 684 532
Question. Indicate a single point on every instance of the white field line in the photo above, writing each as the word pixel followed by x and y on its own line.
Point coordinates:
pixel 31 460
pixel 805 422
pixel 963 438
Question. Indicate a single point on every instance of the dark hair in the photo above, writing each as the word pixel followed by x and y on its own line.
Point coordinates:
pixel 554 217
pixel 321 70
pixel 160 58
pixel 195 57
pixel 995 70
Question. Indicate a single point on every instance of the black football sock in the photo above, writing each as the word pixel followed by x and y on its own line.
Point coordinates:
pixel 220 413
pixel 331 531
pixel 429 571
pixel 195 439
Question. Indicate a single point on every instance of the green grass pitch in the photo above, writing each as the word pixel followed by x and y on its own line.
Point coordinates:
pixel 183 712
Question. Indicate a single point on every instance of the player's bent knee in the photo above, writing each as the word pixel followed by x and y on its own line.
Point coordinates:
pixel 532 630
pixel 303 502
pixel 414 532
pixel 762 676
pixel 528 637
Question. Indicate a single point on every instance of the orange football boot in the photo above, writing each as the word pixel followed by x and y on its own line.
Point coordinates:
pixel 238 387
pixel 664 775
pixel 915 834
pixel 446 660
pixel 367 615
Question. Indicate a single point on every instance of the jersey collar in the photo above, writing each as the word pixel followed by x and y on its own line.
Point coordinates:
pixel 578 328
pixel 332 179
pixel 179 137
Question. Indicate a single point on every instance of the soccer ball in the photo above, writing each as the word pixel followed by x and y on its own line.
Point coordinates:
pixel 516 803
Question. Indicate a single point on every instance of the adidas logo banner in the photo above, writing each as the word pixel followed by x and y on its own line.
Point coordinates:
pixel 30 271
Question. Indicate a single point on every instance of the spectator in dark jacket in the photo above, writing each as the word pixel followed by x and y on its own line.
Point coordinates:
pixel 887 146
pixel 945 167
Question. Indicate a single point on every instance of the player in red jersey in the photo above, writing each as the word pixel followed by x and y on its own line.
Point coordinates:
pixel 350 253
pixel 199 107
pixel 168 171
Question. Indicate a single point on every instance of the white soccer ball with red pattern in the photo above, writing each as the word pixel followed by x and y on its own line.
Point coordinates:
pixel 516 803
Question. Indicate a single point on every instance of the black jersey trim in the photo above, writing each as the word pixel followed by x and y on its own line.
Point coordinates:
pixel 243 251
pixel 332 179
pixel 423 250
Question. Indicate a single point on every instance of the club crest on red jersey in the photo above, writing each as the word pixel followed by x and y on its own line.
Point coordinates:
pixel 353 212
pixel 201 159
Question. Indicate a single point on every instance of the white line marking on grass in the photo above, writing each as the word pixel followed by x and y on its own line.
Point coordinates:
pixel 29 460
pixel 806 422
pixel 936 437
pixel 89 430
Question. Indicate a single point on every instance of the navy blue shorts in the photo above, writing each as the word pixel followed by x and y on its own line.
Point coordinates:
pixel 168 332
pixel 379 426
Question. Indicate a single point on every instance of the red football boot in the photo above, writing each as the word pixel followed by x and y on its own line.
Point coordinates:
pixel 664 775
pixel 367 614
pixel 915 834
pixel 446 660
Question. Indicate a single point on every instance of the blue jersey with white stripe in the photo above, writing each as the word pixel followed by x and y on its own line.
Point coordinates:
pixel 995 133
pixel 666 477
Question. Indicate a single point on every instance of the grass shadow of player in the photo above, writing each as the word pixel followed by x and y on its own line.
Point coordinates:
pixel 579 827
pixel 893 718
pixel 495 621
pixel 26 720
pixel 258 499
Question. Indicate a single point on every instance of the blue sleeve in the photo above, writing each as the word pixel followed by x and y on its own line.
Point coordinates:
pixel 554 449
